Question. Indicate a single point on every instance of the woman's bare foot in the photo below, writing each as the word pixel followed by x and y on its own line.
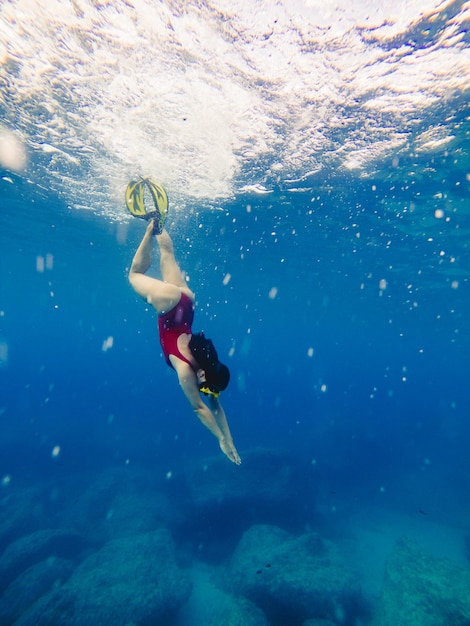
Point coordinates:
pixel 149 231
pixel 230 451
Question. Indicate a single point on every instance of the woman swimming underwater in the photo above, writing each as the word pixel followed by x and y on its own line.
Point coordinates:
pixel 192 356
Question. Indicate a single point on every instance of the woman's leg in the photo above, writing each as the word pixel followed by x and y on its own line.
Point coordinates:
pixel 170 269
pixel 162 295
pixel 143 256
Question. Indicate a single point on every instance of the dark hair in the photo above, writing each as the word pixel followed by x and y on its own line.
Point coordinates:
pixel 205 354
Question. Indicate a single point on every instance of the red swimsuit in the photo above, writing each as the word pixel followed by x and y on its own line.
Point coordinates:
pixel 174 323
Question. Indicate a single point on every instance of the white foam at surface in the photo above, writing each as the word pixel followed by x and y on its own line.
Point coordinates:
pixel 207 98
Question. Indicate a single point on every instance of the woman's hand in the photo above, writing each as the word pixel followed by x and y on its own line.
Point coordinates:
pixel 230 451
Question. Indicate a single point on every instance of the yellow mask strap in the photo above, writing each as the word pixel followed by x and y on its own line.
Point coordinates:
pixel 209 392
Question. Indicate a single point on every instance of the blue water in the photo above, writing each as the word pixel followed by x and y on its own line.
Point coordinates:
pixel 338 294
pixel 392 361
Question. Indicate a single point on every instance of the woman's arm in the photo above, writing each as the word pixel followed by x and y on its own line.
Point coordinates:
pixel 219 414
pixel 188 381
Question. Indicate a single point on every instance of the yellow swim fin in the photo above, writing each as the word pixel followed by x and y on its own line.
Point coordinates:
pixel 135 201
pixel 135 198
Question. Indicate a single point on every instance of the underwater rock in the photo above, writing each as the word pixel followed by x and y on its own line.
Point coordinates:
pixel 223 499
pixel 423 590
pixel 31 585
pixel 269 475
pixel 26 551
pixel 131 580
pixel 295 578
pixel 21 513
pixel 119 503
pixel 208 604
